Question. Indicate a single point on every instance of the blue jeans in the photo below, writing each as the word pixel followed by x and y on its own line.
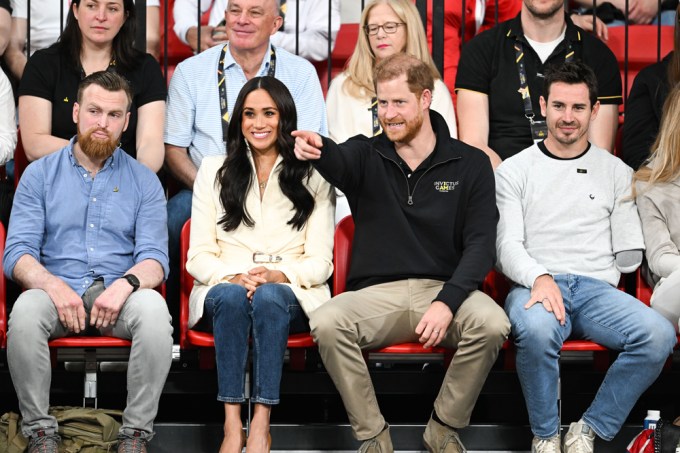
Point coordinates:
pixel 601 313
pixel 269 317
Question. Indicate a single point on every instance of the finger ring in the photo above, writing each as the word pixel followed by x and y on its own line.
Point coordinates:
pixel 436 331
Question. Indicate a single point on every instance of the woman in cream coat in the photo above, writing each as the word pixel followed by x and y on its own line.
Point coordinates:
pixel 657 190
pixel 261 252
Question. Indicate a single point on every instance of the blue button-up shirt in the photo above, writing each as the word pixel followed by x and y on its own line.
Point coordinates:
pixel 80 228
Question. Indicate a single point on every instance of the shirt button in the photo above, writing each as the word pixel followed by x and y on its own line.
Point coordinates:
pixel 91 249
pixel 94 199
pixel 84 175
pixel 92 225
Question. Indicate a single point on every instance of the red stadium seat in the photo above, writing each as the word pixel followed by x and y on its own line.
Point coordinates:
pixel 189 338
pixel 177 50
pixel 643 41
pixel 91 351
pixel 345 42
pixel 642 289
pixel 342 254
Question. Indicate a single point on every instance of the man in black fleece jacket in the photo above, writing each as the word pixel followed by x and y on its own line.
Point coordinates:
pixel 425 212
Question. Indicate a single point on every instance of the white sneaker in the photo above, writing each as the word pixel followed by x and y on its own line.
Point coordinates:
pixel 551 445
pixel 579 439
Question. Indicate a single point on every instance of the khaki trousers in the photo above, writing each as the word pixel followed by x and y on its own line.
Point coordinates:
pixel 388 313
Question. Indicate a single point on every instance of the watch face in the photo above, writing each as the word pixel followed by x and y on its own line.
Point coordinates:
pixel 133 281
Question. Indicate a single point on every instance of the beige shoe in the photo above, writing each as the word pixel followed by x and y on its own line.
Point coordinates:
pixel 579 439
pixel 441 439
pixel 382 443
pixel 551 445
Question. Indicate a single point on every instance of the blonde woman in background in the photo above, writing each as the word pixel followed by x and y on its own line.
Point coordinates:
pixel 386 27
pixel 656 186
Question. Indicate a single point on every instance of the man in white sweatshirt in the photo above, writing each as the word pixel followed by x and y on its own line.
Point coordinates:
pixel 568 229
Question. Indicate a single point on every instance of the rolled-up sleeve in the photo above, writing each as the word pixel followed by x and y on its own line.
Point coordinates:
pixel 151 228
pixel 27 222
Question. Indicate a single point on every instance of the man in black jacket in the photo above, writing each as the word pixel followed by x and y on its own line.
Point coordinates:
pixel 425 213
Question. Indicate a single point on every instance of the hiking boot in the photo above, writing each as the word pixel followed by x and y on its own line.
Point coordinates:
pixel 41 442
pixel 442 439
pixel 579 439
pixel 382 443
pixel 134 444
pixel 551 445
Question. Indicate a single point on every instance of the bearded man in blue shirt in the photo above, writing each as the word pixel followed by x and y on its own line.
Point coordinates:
pixel 88 241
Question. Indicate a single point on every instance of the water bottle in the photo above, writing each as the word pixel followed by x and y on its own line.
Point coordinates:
pixel 651 419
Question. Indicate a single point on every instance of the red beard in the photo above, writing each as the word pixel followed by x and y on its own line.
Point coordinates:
pixel 96 148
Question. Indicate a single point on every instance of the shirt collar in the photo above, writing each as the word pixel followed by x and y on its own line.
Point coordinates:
pixel 264 67
pixel 572 34
pixel 544 149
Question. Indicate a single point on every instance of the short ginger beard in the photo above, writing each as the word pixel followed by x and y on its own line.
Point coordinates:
pixel 411 129
pixel 94 148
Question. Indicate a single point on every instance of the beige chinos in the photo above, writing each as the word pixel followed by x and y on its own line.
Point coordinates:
pixel 388 313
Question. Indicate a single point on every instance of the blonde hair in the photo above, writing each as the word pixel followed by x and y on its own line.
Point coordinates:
pixel 663 165
pixel 360 65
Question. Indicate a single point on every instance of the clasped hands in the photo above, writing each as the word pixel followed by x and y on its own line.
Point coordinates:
pixel 258 276
pixel 105 309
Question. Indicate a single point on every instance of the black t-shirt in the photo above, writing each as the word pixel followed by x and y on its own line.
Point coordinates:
pixel 487 65
pixel 50 75
pixel 643 112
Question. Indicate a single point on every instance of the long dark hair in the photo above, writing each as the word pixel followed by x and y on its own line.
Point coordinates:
pixel 122 51
pixel 235 177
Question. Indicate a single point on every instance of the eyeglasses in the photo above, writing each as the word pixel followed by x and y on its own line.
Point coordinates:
pixel 388 27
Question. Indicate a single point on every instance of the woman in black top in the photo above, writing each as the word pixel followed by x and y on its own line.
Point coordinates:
pixel 98 36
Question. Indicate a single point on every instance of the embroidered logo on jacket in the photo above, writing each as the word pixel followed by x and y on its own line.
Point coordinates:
pixel 445 186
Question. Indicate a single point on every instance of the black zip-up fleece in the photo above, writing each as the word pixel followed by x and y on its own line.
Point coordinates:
pixel 444 229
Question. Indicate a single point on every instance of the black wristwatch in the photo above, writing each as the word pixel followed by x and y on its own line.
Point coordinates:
pixel 133 281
